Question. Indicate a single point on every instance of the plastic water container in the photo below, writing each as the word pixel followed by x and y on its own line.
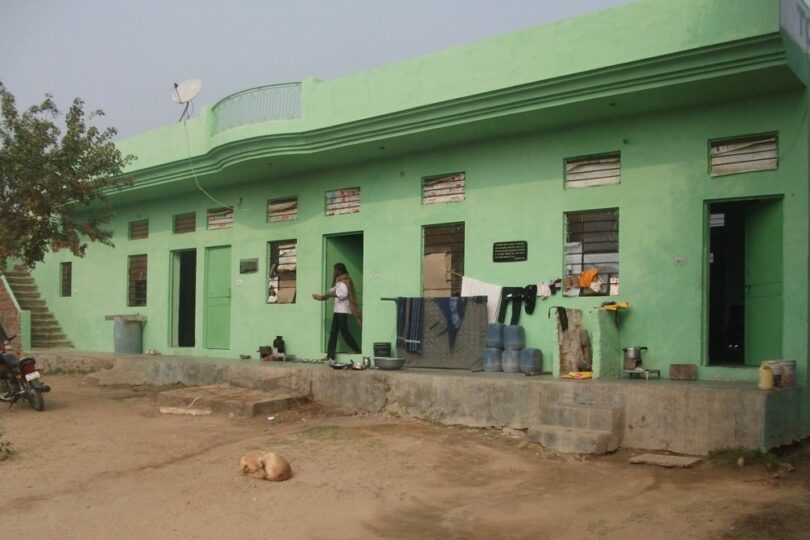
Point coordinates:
pixel 494 335
pixel 531 360
pixel 514 337
pixel 510 361
pixel 492 359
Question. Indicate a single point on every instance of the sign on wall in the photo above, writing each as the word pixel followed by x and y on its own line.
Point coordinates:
pixel 514 251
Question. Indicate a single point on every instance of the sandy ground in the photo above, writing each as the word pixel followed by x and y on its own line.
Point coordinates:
pixel 102 462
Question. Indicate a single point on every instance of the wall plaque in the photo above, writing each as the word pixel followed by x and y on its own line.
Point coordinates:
pixel 509 251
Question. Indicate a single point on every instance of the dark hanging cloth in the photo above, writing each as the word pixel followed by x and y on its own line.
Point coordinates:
pixel 513 295
pixel 530 297
pixel 562 315
pixel 410 313
pixel 453 310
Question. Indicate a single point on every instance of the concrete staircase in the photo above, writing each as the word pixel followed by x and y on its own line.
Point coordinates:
pixel 45 330
pixel 578 429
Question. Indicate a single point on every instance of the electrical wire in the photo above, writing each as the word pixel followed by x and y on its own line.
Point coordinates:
pixel 194 172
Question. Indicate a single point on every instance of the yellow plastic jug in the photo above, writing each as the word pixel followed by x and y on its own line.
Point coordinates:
pixel 765 377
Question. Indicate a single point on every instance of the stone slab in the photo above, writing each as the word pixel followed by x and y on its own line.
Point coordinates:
pixel 226 399
pixel 665 460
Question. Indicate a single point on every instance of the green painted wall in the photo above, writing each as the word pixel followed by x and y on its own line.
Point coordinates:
pixel 514 191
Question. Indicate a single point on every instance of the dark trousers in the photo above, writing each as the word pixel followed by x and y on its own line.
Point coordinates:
pixel 339 323
pixel 515 296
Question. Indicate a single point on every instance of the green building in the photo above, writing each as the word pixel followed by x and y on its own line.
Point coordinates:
pixel 665 143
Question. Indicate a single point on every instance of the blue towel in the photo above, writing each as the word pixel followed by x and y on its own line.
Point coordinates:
pixel 410 312
pixel 453 309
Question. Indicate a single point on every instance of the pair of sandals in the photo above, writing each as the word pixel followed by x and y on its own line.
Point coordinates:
pixel 365 364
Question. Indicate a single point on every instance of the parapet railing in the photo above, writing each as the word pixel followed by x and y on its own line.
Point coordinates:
pixel 260 104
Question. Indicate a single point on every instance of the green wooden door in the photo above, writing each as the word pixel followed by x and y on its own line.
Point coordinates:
pixel 347 249
pixel 217 332
pixel 763 281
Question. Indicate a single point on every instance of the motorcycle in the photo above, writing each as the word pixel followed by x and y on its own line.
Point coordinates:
pixel 20 379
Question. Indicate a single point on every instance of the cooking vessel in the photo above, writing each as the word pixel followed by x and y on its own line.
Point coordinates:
pixel 632 356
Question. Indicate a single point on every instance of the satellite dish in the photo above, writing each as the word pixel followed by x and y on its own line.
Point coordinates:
pixel 186 90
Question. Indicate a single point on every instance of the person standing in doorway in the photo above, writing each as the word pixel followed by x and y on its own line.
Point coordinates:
pixel 345 304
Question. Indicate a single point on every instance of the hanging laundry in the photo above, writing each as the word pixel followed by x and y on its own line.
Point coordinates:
pixel 544 290
pixel 473 287
pixel 596 285
pixel 453 310
pixel 570 286
pixel 587 277
pixel 410 313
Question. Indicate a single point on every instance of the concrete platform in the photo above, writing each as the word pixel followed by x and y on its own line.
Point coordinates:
pixel 693 417
pixel 230 400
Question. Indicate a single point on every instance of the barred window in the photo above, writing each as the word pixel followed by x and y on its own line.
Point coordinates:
pixel 281 273
pixel 66 279
pixel 443 261
pixel 220 218
pixel 139 230
pixel 444 188
pixel 744 154
pixel 593 170
pixel 592 242
pixel 137 281
pixel 343 201
pixel 185 223
pixel 282 209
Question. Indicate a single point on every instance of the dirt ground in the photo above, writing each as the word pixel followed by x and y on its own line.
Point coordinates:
pixel 102 462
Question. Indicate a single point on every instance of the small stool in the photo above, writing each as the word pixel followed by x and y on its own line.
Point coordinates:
pixel 643 371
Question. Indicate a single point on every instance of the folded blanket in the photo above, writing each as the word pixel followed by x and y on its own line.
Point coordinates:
pixel 453 310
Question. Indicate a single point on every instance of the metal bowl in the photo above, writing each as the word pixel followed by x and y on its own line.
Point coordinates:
pixel 388 363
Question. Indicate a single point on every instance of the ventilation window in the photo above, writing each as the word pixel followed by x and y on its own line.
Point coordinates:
pixel 282 209
pixel 185 223
pixel 443 189
pixel 593 170
pixel 281 264
pixel 443 261
pixel 745 154
pixel 220 218
pixel 66 279
pixel 139 230
pixel 343 201
pixel 137 281
pixel 592 243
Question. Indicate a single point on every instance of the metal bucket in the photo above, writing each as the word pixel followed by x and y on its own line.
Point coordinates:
pixel 632 357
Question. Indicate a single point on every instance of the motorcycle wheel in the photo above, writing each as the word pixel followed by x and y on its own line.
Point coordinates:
pixel 34 397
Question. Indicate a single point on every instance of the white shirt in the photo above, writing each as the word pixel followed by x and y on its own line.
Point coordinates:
pixel 342 304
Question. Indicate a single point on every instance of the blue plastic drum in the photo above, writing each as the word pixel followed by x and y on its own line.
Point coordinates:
pixel 510 361
pixel 514 337
pixel 494 335
pixel 531 360
pixel 492 359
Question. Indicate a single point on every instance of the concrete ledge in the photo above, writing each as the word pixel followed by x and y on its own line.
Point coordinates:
pixel 684 417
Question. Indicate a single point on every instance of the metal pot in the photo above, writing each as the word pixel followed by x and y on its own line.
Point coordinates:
pixel 632 357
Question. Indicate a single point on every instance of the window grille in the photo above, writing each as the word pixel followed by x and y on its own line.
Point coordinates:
pixel 443 261
pixel 442 189
pixel 66 279
pixel 592 241
pixel 281 273
pixel 282 209
pixel 185 223
pixel 139 230
pixel 137 280
pixel 343 201
pixel 593 170
pixel 220 218
pixel 746 154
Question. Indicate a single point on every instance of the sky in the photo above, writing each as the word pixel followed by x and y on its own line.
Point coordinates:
pixel 123 56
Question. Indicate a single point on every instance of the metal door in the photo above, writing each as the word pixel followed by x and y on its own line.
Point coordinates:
pixel 217 332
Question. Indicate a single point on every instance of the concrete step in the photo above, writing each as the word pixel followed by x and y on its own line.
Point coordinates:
pixel 52 344
pixel 573 441
pixel 589 417
pixel 230 400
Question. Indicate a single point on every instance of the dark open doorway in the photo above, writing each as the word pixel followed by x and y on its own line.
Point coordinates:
pixel 184 298
pixel 348 249
pixel 745 282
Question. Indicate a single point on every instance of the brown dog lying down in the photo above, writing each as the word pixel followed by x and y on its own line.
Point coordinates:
pixel 265 465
